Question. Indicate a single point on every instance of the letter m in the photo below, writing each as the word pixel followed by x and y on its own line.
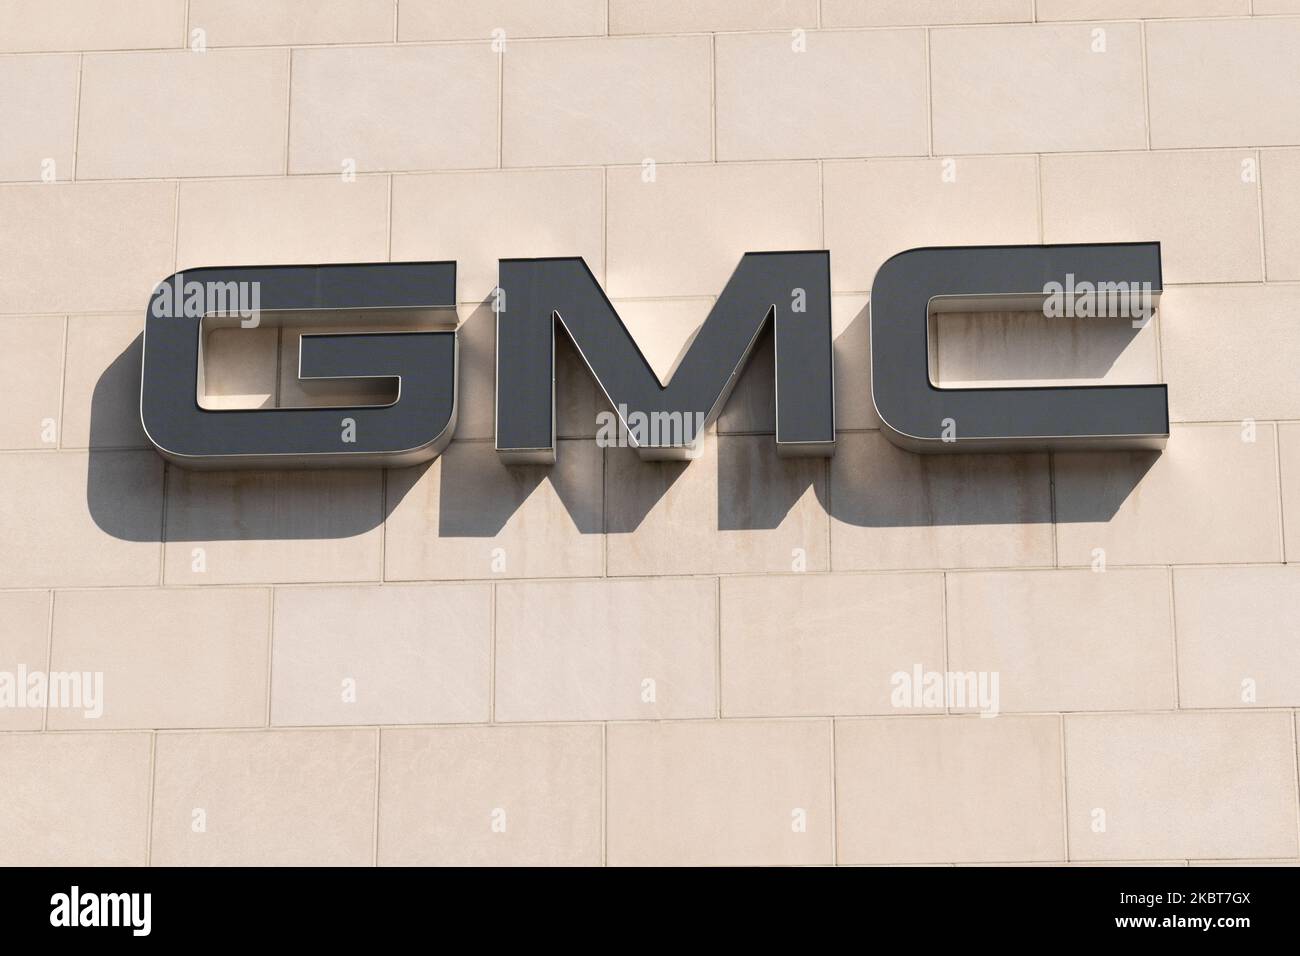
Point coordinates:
pixel 791 290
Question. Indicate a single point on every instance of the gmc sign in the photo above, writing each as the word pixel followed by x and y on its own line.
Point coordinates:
pixel 790 291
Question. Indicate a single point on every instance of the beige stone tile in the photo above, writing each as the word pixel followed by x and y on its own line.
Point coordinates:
pixel 1195 204
pixel 390 655
pixel 240 367
pixel 450 20
pixel 851 326
pixel 382 108
pixel 893 509
pixel 180 657
pixel 694 16
pixel 1143 9
pixel 242 527
pixel 282 221
pixel 1212 785
pixel 719 793
pixel 1280 182
pixel 1223 82
pixel 1274 7
pixel 469 516
pixel 73 247
pixel 24 647
pixel 1236 636
pixel 74 799
pixel 72 519
pixel 684 233
pixel 258 368
pixel 816 644
pixel 28 25
pixel 600 101
pixel 479 218
pixel 948 789
pixel 101 388
pixel 999 349
pixel 606 650
pixel 1065 640
pixel 220 113
pixel 31 366
pixel 665 328
pixel 1039 88
pixel 473 796
pixel 1227 352
pixel 801 97
pixel 1209 497
pixel 39 116
pixel 888 13
pixel 738 507
pixel 877 208
pixel 259 22
pixel 1289 466
pixel 265 798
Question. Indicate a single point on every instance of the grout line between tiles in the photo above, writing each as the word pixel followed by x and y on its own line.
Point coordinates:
pixel 1260 209
pixel 604 793
pixel 1065 790
pixel 835 817
pixel 273 596
pixel 1146 85
pixel 1281 488
pixel 374 826
pixel 63 386
pixel 717 646
pixel 492 652
pixel 49 654
pixel 149 808
pixel 76 115
pixel 1173 637
pixel 288 112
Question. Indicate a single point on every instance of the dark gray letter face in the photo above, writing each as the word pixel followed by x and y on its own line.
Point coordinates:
pixel 921 417
pixel 413 429
pixel 790 288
